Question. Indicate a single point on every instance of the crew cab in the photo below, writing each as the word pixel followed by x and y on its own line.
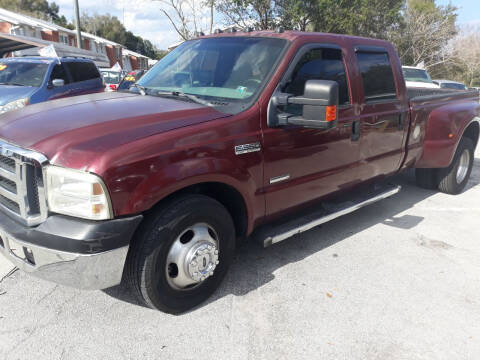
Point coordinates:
pixel 31 80
pixel 230 136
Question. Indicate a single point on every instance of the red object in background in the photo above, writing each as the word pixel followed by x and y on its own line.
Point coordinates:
pixel 113 87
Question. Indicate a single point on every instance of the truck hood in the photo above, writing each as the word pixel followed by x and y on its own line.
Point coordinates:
pixel 90 125
pixel 9 93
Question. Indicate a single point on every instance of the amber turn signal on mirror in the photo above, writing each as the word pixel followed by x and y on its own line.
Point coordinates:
pixel 331 113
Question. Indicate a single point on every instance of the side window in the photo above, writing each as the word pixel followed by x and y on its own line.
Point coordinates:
pixel 377 76
pixel 82 71
pixel 59 72
pixel 320 64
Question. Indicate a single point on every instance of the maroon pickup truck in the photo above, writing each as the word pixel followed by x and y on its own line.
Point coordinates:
pixel 231 135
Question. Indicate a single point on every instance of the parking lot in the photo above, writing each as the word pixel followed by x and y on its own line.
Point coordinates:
pixel 397 280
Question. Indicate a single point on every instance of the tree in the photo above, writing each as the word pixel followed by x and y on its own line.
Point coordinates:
pixel 110 27
pixel 425 33
pixel 466 51
pixel 243 14
pixel 106 26
pixel 189 17
pixel 374 18
pixel 38 8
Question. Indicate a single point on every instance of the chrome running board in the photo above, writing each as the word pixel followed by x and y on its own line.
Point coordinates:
pixel 270 235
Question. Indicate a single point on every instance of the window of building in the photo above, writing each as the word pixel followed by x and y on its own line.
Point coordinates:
pixel 377 76
pixel 63 39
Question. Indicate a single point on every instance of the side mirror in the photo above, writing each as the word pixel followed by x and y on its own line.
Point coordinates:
pixel 58 82
pixel 319 106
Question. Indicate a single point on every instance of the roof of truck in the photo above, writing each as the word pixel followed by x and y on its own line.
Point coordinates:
pixel 290 35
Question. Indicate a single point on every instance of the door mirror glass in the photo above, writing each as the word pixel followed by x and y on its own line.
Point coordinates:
pixel 58 82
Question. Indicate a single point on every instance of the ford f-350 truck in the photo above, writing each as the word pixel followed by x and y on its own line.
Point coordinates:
pixel 229 135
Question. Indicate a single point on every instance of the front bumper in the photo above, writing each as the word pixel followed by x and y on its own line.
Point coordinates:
pixel 78 253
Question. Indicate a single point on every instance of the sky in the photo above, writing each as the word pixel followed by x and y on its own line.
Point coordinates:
pixel 144 18
pixel 468 10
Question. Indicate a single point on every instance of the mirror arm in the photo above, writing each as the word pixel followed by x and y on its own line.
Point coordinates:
pixel 311 124
pixel 281 99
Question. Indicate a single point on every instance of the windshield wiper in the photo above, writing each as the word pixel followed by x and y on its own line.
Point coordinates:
pixel 11 83
pixel 190 97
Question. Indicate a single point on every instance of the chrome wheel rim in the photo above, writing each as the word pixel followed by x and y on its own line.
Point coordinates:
pixel 463 165
pixel 193 257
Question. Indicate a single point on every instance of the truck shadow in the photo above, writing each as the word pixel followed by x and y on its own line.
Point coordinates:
pixel 255 266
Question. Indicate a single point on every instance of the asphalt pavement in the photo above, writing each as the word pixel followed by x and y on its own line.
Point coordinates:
pixel 399 279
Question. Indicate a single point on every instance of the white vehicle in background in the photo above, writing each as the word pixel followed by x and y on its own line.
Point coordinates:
pixel 112 78
pixel 449 84
pixel 416 77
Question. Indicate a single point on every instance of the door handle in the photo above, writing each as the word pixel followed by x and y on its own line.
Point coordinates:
pixel 355 130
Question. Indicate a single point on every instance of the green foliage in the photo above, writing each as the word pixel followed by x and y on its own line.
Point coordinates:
pixel 37 8
pixel 374 18
pixel 371 18
pixel 425 32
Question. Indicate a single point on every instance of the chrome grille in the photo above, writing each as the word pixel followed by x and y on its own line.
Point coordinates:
pixel 22 193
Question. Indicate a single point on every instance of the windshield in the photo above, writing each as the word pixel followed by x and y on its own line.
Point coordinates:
pixel 22 73
pixel 418 75
pixel 226 73
pixel 111 77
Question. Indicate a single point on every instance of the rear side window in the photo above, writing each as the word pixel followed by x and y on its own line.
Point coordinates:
pixel 320 64
pixel 82 71
pixel 377 76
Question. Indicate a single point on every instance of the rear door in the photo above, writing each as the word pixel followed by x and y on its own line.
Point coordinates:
pixel 85 76
pixel 383 115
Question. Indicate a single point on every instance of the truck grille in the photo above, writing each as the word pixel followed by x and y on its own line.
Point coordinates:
pixel 22 194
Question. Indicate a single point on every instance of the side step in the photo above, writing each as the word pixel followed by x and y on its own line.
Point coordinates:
pixel 272 234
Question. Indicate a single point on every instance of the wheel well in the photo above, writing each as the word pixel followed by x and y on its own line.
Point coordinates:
pixel 472 132
pixel 224 194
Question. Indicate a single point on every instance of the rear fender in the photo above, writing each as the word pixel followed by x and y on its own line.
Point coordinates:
pixel 445 127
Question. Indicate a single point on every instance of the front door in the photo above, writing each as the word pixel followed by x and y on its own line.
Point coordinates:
pixel 304 164
pixel 58 73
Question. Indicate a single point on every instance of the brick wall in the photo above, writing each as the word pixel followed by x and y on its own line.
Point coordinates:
pixel 5 27
pixel 112 56
pixel 134 62
pixel 71 40
pixel 50 35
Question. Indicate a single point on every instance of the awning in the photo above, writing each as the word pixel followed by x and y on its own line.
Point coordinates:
pixel 29 46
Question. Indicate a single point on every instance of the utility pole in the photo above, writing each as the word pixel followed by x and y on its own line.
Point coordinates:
pixel 77 23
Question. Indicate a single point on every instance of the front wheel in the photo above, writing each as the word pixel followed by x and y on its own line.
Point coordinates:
pixel 454 179
pixel 181 253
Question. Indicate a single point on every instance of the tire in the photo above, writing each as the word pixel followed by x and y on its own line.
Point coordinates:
pixel 427 178
pixel 150 271
pixel 450 181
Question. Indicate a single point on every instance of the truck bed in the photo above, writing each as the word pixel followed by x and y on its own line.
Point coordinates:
pixel 424 95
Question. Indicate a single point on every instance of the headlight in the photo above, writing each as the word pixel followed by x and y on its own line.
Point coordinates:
pixel 14 105
pixel 77 193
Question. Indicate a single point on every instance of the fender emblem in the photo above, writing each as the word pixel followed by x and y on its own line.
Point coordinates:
pixel 247 148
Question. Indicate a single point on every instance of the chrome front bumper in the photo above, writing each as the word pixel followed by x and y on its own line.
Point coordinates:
pixel 89 272
pixel 95 265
